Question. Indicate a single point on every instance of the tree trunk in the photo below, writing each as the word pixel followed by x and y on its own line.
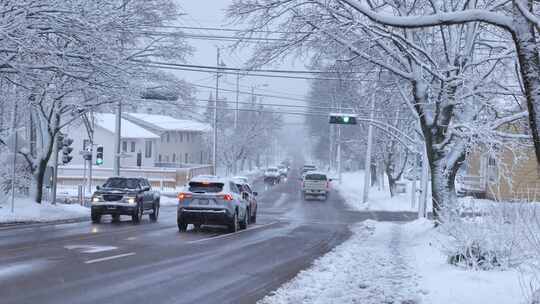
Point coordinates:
pixel 529 63
pixel 391 184
pixel 40 179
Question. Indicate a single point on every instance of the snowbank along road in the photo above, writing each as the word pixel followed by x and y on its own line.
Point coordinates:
pixel 153 262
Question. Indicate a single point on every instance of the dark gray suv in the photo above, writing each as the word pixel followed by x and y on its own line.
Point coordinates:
pixel 125 196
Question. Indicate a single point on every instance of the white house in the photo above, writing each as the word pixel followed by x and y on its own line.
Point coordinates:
pixel 181 141
pixel 135 139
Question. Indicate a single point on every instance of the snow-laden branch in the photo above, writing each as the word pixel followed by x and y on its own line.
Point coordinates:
pixel 447 18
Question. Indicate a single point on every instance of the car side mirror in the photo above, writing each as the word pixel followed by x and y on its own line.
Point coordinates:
pixel 255 193
pixel 98 187
pixel 146 188
pixel 330 180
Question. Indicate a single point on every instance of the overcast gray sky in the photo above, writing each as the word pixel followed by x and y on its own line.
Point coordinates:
pixel 211 13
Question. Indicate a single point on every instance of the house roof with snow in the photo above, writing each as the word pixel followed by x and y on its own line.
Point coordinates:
pixel 107 121
pixel 162 123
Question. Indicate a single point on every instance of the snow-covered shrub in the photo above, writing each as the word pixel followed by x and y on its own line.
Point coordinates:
pixel 492 237
pixel 23 176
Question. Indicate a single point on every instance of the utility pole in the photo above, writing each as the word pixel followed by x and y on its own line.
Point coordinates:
pixel 15 148
pixel 339 153
pixel 237 97
pixel 118 125
pixel 118 139
pixel 367 173
pixel 214 149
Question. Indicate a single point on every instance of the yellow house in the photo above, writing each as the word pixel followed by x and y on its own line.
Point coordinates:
pixel 508 177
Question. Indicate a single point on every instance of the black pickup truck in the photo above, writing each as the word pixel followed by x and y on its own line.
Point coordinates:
pixel 125 196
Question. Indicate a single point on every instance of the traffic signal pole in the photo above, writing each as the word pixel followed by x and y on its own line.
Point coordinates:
pixel 56 150
pixel 367 171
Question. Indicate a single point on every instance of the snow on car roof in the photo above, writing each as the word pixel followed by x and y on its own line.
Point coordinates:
pixel 209 179
pixel 168 123
pixel 316 172
pixel 107 121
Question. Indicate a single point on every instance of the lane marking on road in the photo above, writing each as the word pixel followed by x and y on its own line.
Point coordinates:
pixel 90 248
pixel 231 234
pixel 110 258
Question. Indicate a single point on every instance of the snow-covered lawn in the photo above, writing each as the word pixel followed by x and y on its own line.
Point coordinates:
pixel 395 263
pixel 351 189
pixel 28 211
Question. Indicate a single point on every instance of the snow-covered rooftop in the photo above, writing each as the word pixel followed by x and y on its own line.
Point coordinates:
pixel 167 123
pixel 107 121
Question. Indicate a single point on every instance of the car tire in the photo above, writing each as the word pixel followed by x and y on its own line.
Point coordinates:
pixel 233 227
pixel 254 217
pixel 197 226
pixel 155 214
pixel 116 218
pixel 182 227
pixel 137 215
pixel 245 222
pixel 96 217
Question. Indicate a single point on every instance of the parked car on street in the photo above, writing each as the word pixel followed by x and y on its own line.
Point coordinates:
pixel 212 201
pixel 125 196
pixel 315 184
pixel 272 176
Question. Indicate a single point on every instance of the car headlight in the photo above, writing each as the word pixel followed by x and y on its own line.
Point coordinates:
pixel 131 200
pixel 96 199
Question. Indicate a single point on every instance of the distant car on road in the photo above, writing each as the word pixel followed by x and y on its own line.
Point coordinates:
pixel 212 201
pixel 315 184
pixel 125 196
pixel 242 179
pixel 307 168
pixel 283 171
pixel 272 176
pixel 250 196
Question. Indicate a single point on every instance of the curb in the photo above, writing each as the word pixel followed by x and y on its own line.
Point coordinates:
pixel 33 224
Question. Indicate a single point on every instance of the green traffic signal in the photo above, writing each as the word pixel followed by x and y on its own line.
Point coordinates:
pixel 343 119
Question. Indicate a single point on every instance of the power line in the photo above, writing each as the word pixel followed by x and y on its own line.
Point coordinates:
pixel 223 68
pixel 231 30
pixel 172 67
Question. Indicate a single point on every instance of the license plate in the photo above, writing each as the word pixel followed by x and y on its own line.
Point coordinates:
pixel 202 202
pixel 111 207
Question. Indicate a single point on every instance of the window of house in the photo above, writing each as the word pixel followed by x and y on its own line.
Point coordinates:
pixel 186 158
pixel 132 146
pixel 181 137
pixel 202 160
pixel 148 149
pixel 174 157
pixel 492 170
pixel 168 137
pixel 124 146
pixel 159 158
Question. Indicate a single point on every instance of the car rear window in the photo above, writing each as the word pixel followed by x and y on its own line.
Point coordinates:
pixel 318 177
pixel 205 187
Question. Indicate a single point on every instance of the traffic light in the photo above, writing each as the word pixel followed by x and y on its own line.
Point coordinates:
pixel 66 150
pixel 343 119
pixel 99 155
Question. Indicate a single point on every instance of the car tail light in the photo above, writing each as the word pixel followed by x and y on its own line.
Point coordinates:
pixel 227 197
pixel 183 195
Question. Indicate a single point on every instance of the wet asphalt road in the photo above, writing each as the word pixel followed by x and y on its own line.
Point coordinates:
pixel 154 263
